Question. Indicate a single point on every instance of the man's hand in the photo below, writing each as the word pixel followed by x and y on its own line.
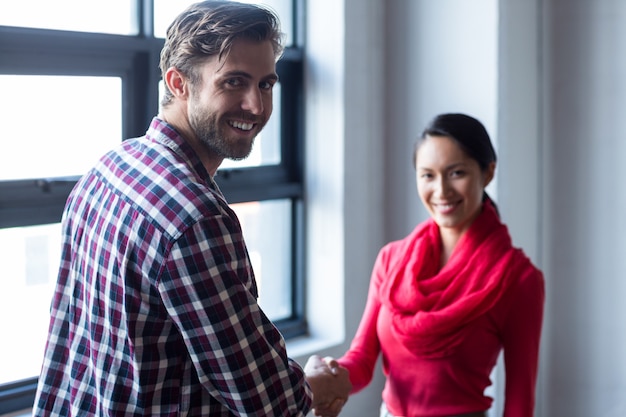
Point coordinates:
pixel 330 384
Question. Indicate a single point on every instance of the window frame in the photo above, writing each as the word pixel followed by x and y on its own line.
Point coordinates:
pixel 135 59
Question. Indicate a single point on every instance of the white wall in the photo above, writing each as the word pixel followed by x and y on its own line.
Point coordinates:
pixel 585 200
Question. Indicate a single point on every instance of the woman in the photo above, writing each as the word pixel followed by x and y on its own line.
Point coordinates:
pixel 448 298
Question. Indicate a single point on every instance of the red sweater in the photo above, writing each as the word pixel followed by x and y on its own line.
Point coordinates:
pixel 452 382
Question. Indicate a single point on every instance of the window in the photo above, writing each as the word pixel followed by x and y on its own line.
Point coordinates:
pixel 62 73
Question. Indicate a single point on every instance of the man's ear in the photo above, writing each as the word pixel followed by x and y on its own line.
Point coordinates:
pixel 177 83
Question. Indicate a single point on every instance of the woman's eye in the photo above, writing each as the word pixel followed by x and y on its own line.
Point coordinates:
pixel 457 173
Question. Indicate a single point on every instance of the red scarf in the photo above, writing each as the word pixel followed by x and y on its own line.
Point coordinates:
pixel 431 308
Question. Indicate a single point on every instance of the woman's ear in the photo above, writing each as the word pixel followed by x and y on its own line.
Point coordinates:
pixel 490 172
pixel 176 83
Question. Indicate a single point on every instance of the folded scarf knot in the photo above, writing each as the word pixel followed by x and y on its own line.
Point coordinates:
pixel 432 308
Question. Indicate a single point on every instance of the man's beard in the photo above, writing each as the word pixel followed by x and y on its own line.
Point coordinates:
pixel 206 128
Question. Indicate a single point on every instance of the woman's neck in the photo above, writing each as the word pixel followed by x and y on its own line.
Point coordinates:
pixel 449 239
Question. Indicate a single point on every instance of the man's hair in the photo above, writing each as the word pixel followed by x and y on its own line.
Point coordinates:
pixel 209 28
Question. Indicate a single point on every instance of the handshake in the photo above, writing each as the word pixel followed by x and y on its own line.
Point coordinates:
pixel 330 384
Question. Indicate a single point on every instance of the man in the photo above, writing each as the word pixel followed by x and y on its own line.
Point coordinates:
pixel 155 310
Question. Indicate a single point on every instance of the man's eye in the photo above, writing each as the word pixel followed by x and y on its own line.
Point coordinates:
pixel 266 85
pixel 234 82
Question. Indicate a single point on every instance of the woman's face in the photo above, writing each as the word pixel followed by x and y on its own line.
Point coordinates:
pixel 450 183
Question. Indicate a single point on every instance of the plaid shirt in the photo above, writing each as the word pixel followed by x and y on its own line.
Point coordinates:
pixel 155 311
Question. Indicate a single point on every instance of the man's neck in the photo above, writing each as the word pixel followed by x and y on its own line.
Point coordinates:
pixel 177 117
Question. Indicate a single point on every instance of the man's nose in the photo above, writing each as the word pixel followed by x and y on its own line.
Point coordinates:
pixel 253 101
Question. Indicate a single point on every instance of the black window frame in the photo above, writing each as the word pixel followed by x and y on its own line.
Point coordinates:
pixel 135 59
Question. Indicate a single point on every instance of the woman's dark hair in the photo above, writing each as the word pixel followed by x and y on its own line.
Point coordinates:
pixel 468 132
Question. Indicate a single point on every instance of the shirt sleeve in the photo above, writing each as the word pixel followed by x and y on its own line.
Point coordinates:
pixel 240 357
pixel 360 359
pixel 521 337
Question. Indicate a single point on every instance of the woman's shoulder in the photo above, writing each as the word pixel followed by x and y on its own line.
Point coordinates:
pixel 526 266
pixel 529 278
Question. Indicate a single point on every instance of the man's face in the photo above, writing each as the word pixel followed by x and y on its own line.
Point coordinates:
pixel 234 99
